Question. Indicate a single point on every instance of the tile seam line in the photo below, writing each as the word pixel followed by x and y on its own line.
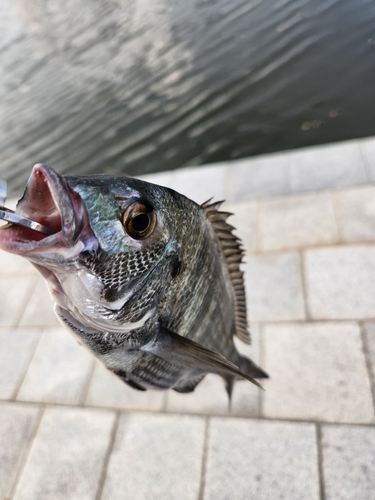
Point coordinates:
pixel 258 223
pixel 296 194
pixel 365 349
pixel 25 302
pixel 281 195
pixel 87 384
pixel 28 452
pixel 307 321
pixel 202 483
pixel 107 457
pixel 23 376
pixel 307 248
pixel 62 407
pixel 337 212
pixel 304 285
pixel 320 457
pixel 366 166
pixel 262 358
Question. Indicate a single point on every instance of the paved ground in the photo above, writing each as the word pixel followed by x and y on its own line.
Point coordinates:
pixel 71 430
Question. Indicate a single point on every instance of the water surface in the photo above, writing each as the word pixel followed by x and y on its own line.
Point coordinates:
pixel 139 86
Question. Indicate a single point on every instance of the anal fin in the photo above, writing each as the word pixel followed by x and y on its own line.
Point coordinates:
pixel 123 376
pixel 182 351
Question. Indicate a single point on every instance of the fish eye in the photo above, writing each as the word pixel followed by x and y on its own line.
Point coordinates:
pixel 139 220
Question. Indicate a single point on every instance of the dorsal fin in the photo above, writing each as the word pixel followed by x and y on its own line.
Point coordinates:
pixel 231 246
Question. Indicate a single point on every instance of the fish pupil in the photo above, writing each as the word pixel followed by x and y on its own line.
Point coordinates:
pixel 141 222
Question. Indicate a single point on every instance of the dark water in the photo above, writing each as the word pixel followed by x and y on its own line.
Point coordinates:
pixel 147 85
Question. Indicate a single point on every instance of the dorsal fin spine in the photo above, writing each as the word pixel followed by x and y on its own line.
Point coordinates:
pixel 233 253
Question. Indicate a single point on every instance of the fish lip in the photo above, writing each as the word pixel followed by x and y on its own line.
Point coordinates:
pixel 70 219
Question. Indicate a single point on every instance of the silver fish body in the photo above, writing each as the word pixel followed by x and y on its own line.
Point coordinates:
pixel 145 278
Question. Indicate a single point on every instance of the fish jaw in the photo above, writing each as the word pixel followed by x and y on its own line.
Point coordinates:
pixel 77 292
pixel 49 200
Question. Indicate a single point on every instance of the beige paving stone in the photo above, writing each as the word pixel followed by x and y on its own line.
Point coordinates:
pixel 202 183
pixel 356 214
pixel 317 372
pixel 340 282
pixel 156 456
pixel 259 177
pixel 274 287
pixel 349 462
pixel 261 460
pixel 165 178
pixel 108 390
pixel 244 219
pixel 367 147
pixel 17 425
pixel 13 298
pixel 40 308
pixel 210 396
pixel 59 370
pixel 17 346
pixel 297 221
pixel 11 264
pixel 325 167
pixel 67 455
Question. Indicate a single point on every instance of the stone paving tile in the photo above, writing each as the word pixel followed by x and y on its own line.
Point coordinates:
pixel 13 301
pixel 17 347
pixel 59 370
pixel 259 177
pixel 67 455
pixel 367 148
pixel 40 308
pixel 17 425
pixel 317 372
pixel 11 264
pixel 349 462
pixel 326 167
pixel 297 221
pixel 356 214
pixel 108 390
pixel 202 183
pixel 262 460
pixel 165 178
pixel 210 396
pixel 244 219
pixel 274 287
pixel 340 282
pixel 156 456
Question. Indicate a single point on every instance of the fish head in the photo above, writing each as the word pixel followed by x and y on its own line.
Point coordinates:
pixel 113 236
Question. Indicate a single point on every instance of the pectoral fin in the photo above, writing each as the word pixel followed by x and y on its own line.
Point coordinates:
pixel 185 352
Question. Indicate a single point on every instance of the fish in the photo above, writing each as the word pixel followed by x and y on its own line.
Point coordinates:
pixel 146 279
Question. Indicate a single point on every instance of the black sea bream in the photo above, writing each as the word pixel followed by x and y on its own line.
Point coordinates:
pixel 145 278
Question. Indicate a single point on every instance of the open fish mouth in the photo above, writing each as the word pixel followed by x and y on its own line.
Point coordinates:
pixel 50 201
